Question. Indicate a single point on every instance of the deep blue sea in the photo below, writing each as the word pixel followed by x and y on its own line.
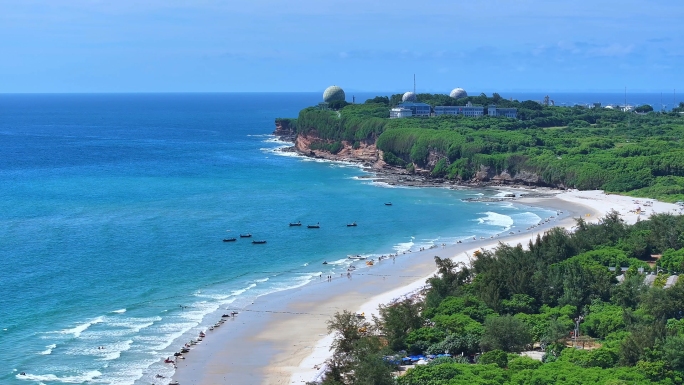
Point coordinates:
pixel 113 209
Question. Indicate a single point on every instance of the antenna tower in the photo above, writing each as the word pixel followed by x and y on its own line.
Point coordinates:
pixel 414 84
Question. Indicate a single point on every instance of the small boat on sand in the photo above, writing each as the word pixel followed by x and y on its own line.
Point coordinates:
pixel 388 203
pixel 298 223
pixel 258 242
pixel 229 239
pixel 248 235
pixel 353 224
pixel 316 226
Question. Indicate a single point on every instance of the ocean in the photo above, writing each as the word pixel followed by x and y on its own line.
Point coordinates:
pixel 113 208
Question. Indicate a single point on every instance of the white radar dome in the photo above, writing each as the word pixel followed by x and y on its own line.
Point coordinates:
pixel 458 93
pixel 333 94
pixel 408 97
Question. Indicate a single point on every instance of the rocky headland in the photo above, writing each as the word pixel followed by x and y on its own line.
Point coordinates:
pixel 367 155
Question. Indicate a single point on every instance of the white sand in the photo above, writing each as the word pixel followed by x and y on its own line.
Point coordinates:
pixel 626 206
pixel 598 204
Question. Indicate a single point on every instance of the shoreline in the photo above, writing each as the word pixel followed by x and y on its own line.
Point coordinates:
pixel 281 338
pixel 286 331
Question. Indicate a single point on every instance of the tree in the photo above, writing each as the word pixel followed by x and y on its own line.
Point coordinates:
pixel 672 352
pixel 357 358
pixel 379 100
pixel 505 333
pixel 349 329
pixel 369 368
pixel 644 108
pixel 498 357
pixel 398 320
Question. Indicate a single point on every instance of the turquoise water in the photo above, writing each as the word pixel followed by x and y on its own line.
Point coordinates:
pixel 113 209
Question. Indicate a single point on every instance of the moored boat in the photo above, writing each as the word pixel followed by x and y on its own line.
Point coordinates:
pixel 229 239
pixel 258 242
pixel 388 203
pixel 316 226
pixel 248 235
pixel 298 223
pixel 353 224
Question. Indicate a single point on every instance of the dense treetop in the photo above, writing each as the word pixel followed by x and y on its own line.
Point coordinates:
pixel 513 299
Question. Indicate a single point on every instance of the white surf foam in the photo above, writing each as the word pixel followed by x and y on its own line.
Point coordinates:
pixel 405 246
pixel 120 311
pixel 502 194
pixel 527 218
pixel 240 291
pixel 495 219
pixel 113 351
pixel 48 349
pixel 76 331
pixel 78 379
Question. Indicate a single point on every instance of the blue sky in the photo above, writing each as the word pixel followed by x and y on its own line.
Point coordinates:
pixel 361 45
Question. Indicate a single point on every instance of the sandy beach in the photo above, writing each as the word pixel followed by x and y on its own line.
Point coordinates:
pixel 282 338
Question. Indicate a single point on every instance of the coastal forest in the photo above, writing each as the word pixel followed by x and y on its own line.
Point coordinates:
pixel 639 154
pixel 590 324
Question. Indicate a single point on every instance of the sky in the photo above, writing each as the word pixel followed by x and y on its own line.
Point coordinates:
pixel 360 45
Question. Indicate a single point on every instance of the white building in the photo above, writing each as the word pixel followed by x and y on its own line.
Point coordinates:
pixel 400 112
pixel 467 110
pixel 507 112
pixel 417 109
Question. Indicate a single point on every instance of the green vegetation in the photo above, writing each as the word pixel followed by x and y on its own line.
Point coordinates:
pixel 513 299
pixel 574 147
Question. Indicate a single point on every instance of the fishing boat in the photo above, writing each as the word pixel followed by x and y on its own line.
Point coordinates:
pixel 258 242
pixel 298 223
pixel 388 203
pixel 229 239
pixel 248 235
pixel 316 226
pixel 353 224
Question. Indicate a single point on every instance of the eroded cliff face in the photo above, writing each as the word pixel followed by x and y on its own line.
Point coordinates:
pixel 284 131
pixel 367 152
pixel 487 174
